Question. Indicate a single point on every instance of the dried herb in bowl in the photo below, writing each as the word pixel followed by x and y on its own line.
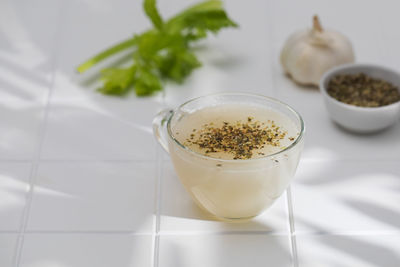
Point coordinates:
pixel 362 90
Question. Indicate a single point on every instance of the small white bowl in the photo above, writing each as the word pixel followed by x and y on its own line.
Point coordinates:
pixel 361 119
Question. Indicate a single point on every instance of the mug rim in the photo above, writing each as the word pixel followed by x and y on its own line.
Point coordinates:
pixel 298 138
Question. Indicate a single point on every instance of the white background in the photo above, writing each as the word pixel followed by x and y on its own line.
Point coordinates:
pixel 83 182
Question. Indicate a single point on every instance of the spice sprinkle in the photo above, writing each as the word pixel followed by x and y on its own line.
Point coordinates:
pixel 240 139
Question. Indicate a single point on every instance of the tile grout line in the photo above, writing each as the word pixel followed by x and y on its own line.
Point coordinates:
pixel 164 233
pixel 160 165
pixel 40 135
pixel 271 55
pixel 81 161
pixel 293 242
pixel 216 232
pixel 51 232
pixel 307 160
pixel 383 53
pixel 349 233
pixel 157 209
pixel 223 233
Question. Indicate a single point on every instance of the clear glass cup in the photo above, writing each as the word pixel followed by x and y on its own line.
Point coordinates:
pixel 230 189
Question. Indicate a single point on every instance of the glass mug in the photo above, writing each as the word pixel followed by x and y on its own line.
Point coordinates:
pixel 230 189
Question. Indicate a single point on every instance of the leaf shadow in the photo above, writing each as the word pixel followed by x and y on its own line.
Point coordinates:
pixel 341 175
pixel 376 211
pixel 355 247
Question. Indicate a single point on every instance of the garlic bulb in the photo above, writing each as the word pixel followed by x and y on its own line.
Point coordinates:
pixel 308 54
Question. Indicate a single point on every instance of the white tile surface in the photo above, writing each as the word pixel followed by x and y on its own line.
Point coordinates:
pixel 8 243
pixel 288 16
pixel 97 169
pixel 79 131
pixel 93 197
pixel 27 40
pixel 78 250
pixel 344 251
pixel 236 60
pixel 346 196
pixel 13 190
pixel 224 251
pixel 19 129
pixel 179 213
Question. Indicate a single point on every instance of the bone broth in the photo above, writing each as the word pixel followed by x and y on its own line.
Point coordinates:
pixel 229 171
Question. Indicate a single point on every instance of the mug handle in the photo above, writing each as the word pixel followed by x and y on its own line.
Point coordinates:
pixel 160 127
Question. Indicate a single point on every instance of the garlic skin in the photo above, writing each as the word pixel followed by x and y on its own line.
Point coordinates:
pixel 308 54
